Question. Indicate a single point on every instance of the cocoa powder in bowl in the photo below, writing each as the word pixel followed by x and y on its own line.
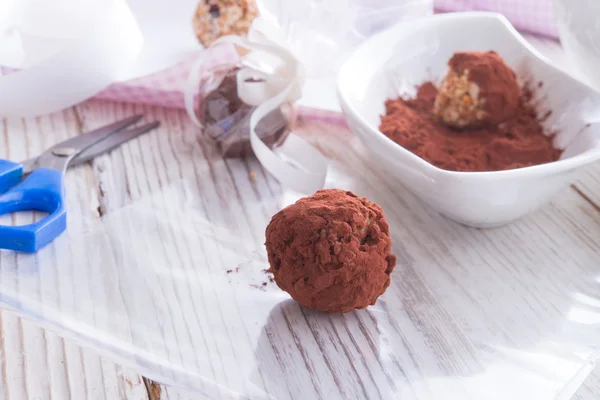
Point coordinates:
pixel 518 141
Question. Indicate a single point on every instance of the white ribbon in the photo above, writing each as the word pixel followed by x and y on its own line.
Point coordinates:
pixel 82 65
pixel 295 164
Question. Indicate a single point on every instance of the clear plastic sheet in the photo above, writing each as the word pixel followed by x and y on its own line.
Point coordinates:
pixel 173 284
pixel 322 33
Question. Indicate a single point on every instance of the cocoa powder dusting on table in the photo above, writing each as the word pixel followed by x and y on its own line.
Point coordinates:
pixel 517 142
pixel 259 287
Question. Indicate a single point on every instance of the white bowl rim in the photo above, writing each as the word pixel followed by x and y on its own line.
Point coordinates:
pixel 550 168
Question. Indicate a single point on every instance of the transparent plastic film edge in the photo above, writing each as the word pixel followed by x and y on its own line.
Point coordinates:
pixel 296 164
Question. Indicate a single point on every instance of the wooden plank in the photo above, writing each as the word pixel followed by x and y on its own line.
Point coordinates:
pixel 40 369
pixel 169 393
pixel 37 364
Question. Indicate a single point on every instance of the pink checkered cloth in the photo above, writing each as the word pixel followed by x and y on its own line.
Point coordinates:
pixel 166 88
pixel 533 16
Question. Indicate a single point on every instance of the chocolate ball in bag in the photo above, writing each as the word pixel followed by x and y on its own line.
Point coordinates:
pixel 331 251
pixel 226 120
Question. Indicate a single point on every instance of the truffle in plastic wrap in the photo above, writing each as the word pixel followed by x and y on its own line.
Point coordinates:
pixel 226 118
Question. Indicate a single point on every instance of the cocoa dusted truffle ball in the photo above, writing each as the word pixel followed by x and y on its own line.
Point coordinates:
pixel 331 251
pixel 479 89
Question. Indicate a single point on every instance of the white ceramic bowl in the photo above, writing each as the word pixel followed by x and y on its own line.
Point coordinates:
pixel 579 29
pixel 395 61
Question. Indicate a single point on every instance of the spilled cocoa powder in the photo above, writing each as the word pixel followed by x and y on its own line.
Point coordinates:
pixel 262 286
pixel 517 142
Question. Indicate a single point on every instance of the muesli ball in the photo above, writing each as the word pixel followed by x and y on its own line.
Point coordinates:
pixel 216 18
pixel 479 89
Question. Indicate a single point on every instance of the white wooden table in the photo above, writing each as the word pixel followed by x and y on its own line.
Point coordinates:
pixel 37 364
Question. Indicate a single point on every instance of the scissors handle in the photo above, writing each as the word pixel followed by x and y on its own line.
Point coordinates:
pixel 11 174
pixel 41 191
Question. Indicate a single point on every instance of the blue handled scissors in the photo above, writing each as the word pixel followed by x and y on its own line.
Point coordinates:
pixel 37 183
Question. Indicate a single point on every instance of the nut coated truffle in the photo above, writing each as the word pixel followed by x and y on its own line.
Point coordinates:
pixel 216 18
pixel 331 251
pixel 479 89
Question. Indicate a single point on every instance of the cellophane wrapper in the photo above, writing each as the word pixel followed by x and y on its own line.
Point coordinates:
pixel 323 33
pixel 226 118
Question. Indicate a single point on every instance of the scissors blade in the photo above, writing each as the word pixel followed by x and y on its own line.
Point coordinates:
pixel 86 140
pixel 111 142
